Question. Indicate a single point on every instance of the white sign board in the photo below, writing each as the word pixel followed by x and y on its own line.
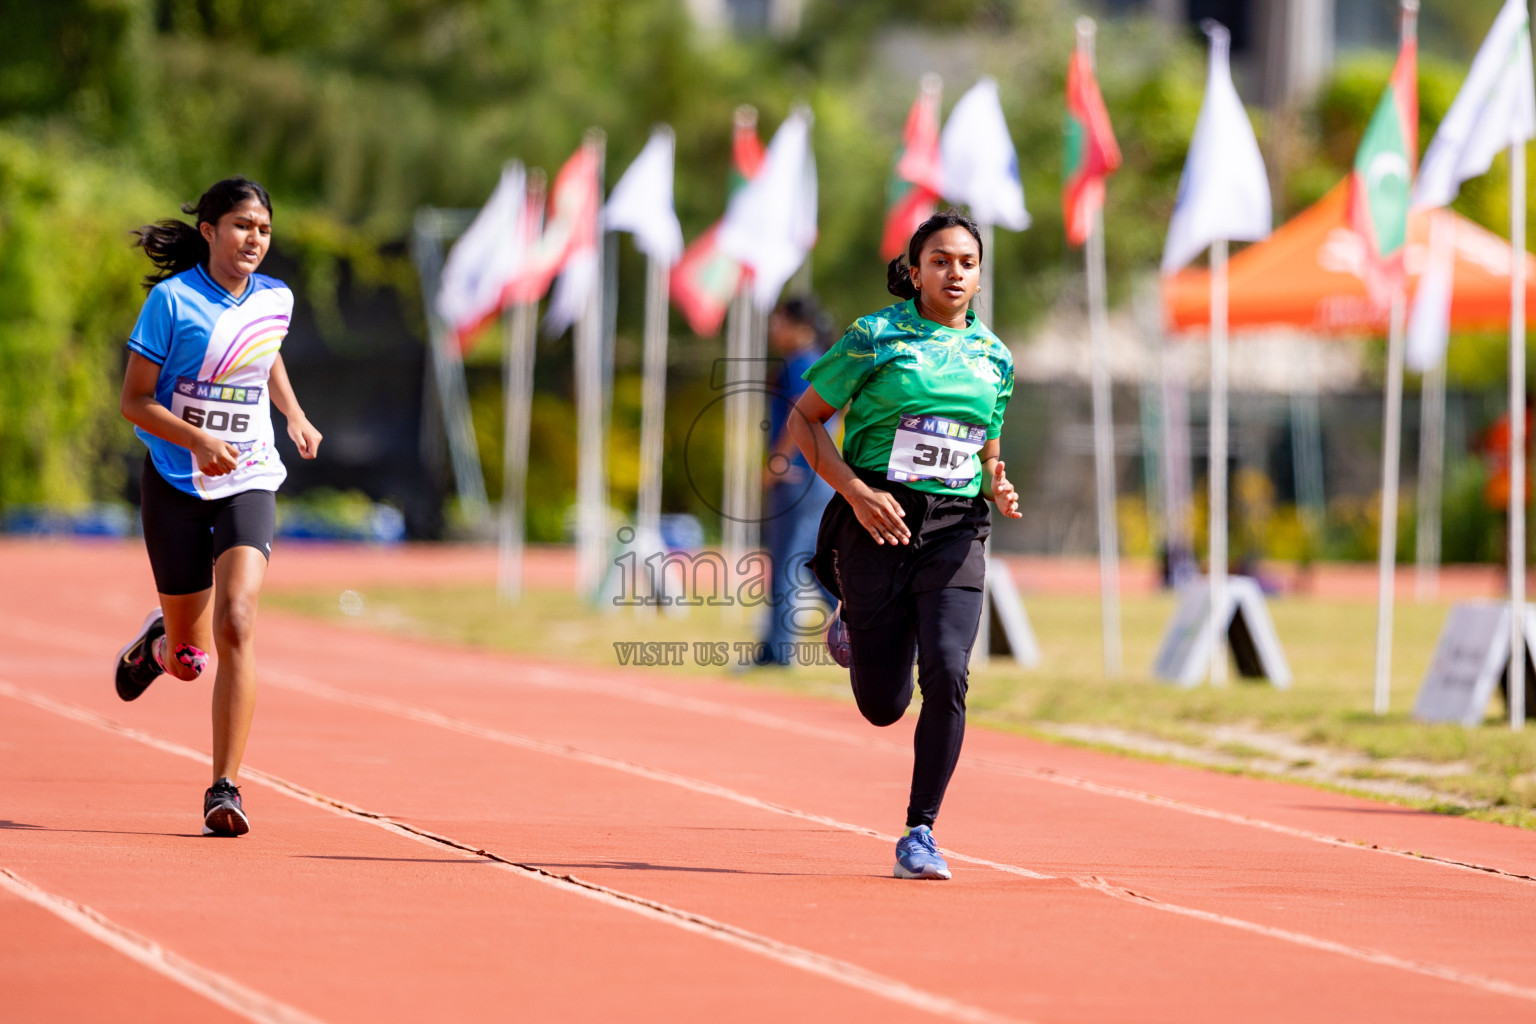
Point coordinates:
pixel 1010 631
pixel 1184 657
pixel 1471 661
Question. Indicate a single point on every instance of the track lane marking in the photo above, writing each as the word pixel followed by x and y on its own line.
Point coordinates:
pixel 539 674
pixel 210 984
pixel 548 679
pixel 1373 956
pixel 426 716
pixel 747 940
pixel 831 968
pixel 1091 883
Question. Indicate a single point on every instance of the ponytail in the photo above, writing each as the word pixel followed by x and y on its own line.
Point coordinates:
pixel 898 279
pixel 174 245
pixel 898 273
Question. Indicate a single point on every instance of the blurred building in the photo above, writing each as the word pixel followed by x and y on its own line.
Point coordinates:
pixel 748 17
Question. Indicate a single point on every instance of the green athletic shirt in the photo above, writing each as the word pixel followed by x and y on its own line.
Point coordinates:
pixel 895 363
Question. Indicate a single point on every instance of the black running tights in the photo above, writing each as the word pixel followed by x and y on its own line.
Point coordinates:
pixel 939 627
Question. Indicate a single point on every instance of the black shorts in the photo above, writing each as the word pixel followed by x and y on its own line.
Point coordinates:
pixel 185 535
pixel 873 580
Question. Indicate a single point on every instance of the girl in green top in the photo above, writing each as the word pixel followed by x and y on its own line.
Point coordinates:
pixel 901 545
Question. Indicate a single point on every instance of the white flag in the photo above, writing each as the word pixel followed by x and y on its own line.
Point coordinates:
pixel 1495 109
pixel 486 257
pixel 574 286
pixel 770 225
pixel 1429 323
pixel 642 201
pixel 981 168
pixel 1224 192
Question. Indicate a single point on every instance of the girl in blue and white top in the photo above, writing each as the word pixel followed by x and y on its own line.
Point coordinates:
pixel 204 369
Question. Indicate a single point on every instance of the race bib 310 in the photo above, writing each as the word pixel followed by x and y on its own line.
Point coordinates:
pixel 935 448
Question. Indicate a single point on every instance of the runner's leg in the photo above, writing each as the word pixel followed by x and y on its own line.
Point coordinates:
pixel 188 632
pixel 242 540
pixel 239 573
pixel 881 669
pixel 946 622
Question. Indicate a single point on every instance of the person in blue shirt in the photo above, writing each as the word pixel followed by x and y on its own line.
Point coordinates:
pixel 204 370
pixel 798 333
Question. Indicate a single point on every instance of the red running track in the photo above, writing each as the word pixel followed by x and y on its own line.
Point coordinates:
pixel 447 834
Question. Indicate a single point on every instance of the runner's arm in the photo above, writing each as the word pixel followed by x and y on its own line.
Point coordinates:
pixel 139 407
pixel 995 485
pixel 878 511
pixel 303 433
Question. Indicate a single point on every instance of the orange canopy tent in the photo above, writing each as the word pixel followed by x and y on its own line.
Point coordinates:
pixel 1307 274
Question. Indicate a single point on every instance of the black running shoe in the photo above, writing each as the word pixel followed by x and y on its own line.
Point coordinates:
pixel 136 666
pixel 222 815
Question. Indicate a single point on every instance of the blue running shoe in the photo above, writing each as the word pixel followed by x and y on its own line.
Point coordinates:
pixel 837 638
pixel 917 856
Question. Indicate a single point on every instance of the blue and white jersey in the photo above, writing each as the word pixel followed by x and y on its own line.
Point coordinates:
pixel 215 353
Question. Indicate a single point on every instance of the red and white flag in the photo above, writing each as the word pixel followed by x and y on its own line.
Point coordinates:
pixel 706 279
pixel 770 225
pixel 486 259
pixel 917 173
pixel 567 248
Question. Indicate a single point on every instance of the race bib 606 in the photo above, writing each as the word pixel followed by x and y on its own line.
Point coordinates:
pixel 226 412
pixel 935 448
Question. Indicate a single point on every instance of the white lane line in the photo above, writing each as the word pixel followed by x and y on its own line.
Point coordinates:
pixel 540 676
pixel 828 967
pixel 428 717
pixel 209 984
pixel 1371 956
pixel 545 677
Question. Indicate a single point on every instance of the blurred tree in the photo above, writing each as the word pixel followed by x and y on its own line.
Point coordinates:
pixel 356 112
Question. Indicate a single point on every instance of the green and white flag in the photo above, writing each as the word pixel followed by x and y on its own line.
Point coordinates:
pixel 1381 186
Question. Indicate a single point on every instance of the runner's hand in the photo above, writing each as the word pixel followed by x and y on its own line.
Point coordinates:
pixel 880 513
pixel 304 436
pixel 215 457
pixel 1003 493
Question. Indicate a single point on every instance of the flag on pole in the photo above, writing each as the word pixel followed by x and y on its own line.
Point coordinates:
pixel 1092 154
pixel 1495 109
pixel 1429 322
pixel 1381 185
pixel 981 167
pixel 1224 191
pixel 641 202
pixel 485 259
pixel 706 279
pixel 770 225
pixel 567 247
pixel 917 173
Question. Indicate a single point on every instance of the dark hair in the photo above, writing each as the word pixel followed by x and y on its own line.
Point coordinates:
pixel 174 245
pixel 805 311
pixel 898 277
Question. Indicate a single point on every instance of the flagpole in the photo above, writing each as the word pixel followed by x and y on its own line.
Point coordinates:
pixel 517 399
pixel 733 403
pixel 1517 435
pixel 517 390
pixel 1386 561
pixel 1103 419
pixel 1431 481
pixel 654 397
pixel 981 648
pixel 1218 462
pixel 591 445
